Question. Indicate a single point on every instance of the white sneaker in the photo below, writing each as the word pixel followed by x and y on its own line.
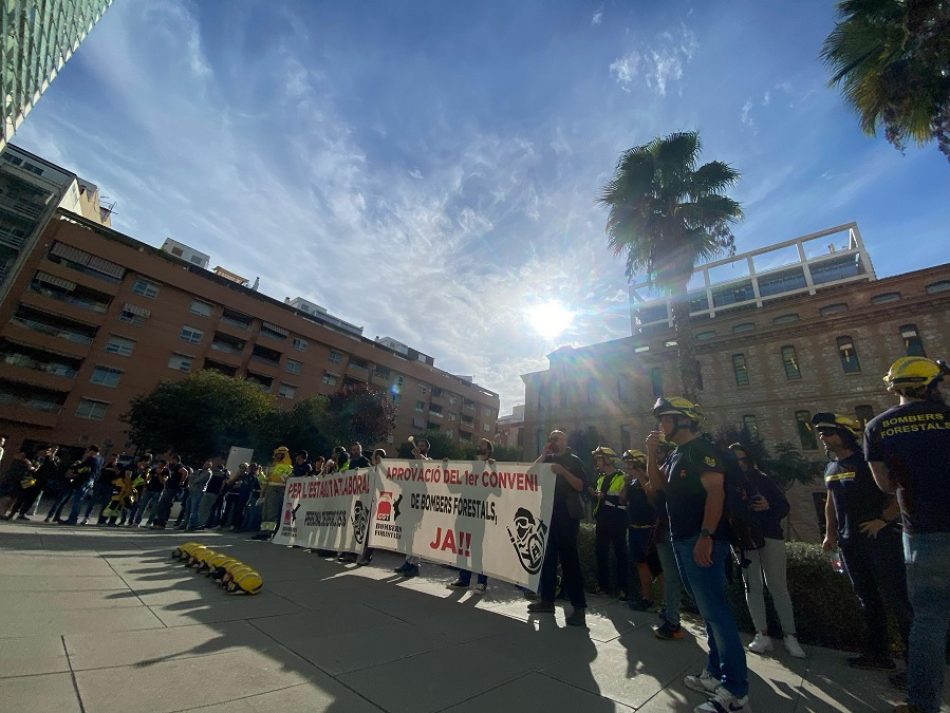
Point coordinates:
pixel 761 643
pixel 793 647
pixel 703 683
pixel 481 588
pixel 724 702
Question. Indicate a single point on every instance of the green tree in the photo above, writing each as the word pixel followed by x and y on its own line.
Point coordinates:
pixel 440 447
pixel 892 61
pixel 302 427
pixel 786 466
pixel 200 416
pixel 666 214
pixel 360 414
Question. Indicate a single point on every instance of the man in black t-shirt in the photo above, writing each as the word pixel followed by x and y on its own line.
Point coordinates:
pixel 154 485
pixel 357 459
pixel 862 523
pixel 177 473
pixel 693 480
pixel 908 450
pixel 562 537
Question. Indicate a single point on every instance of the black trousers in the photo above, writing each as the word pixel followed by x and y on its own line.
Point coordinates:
pixel 877 572
pixel 562 546
pixel 611 533
pixel 25 500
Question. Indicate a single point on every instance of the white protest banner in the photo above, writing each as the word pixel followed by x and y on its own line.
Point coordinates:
pixel 490 518
pixel 327 512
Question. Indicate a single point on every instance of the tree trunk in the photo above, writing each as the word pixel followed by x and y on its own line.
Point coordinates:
pixel 688 366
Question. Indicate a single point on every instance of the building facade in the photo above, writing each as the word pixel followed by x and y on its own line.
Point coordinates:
pixel 94 318
pixel 30 190
pixel 39 36
pixel 509 431
pixel 767 363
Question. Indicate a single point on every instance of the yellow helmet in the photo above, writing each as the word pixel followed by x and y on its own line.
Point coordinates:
pixel 182 549
pixel 280 451
pixel 678 406
pixel 233 571
pixel 220 568
pixel 215 561
pixel 826 419
pixel 638 458
pixel 604 452
pixel 910 374
pixel 249 582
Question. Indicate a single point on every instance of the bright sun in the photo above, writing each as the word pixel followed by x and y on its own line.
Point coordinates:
pixel 549 319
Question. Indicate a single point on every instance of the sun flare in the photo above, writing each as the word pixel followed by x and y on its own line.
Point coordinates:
pixel 549 319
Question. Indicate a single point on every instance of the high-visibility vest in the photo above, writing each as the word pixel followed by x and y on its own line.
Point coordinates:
pixel 612 493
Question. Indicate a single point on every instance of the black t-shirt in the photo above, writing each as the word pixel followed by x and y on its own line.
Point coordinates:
pixel 913 441
pixel 302 470
pixel 639 510
pixel 108 474
pixel 685 494
pixel 215 482
pixel 155 480
pixel 175 477
pixel 359 462
pixel 567 501
pixel 855 495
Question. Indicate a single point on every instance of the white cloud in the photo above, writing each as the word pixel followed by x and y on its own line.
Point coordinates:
pixel 658 65
pixel 745 114
pixel 597 18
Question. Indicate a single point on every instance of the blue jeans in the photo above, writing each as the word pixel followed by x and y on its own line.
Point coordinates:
pixel 928 579
pixel 192 505
pixel 465 577
pixel 147 505
pixel 707 587
pixel 672 586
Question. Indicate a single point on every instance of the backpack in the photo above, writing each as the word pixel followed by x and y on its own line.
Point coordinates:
pixel 742 530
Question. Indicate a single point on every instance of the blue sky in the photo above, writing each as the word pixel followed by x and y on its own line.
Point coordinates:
pixel 430 170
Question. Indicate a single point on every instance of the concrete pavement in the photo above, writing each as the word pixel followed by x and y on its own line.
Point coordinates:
pixel 96 620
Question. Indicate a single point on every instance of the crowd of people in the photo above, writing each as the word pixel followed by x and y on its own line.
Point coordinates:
pixel 671 514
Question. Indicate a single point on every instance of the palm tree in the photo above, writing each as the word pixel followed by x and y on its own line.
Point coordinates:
pixel 892 60
pixel 666 215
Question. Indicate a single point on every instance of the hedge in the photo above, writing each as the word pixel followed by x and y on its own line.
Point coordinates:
pixel 827 612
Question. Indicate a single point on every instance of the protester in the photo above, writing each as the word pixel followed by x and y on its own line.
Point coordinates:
pixel 610 528
pixel 640 525
pixel 20 478
pixel 48 478
pixel 357 459
pixel 273 496
pixel 194 486
pixel 571 480
pixel 232 497
pixel 71 490
pixel 862 523
pixel 88 471
pixel 483 453
pixel 177 474
pixel 908 451
pixel 154 486
pixel 693 478
pixel 420 451
pixel 767 565
pixel 214 487
pixel 138 474
pixel 302 467
pixel 252 488
pixel 376 461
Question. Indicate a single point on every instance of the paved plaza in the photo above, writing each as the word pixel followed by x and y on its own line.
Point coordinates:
pixel 96 620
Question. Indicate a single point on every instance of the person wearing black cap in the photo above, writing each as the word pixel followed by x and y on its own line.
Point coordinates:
pixel 862 523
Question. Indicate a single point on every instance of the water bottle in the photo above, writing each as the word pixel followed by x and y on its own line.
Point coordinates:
pixel 837 564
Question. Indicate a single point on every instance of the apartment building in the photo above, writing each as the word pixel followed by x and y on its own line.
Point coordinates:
pixel 95 317
pixel 769 358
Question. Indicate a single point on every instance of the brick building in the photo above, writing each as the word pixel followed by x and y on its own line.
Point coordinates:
pixel 768 361
pixel 93 318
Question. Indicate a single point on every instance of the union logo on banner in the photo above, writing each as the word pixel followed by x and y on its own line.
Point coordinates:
pixel 387 509
pixel 528 540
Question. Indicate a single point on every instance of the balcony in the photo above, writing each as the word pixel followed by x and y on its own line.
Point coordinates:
pixel 357 371
pixel 44 303
pixel 49 333
pixel 19 413
pixel 81 274
pixel 35 377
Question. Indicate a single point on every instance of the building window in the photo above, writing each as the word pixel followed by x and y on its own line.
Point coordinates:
pixel 864 413
pixel 805 434
pixel 92 410
pixel 423 389
pixel 704 336
pixel 749 425
pixel 200 308
pixel 913 346
pixel 190 335
pixel 300 344
pixel 833 309
pixel 786 318
pixel 420 405
pixel 656 381
pixel 329 379
pixel 941 286
pixel 624 389
pixel 286 391
pixel 120 346
pixel 131 314
pixel 106 376
pixel 848 355
pixel 641 349
pixel 744 327
pixel 273 331
pixel 741 369
pixel 292 367
pixel 145 288
pixel 335 356
pixel 886 297
pixel 486 428
pixel 180 362
pixel 790 361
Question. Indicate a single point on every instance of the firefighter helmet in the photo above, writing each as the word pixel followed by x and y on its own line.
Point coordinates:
pixel 912 373
pixel 840 422
pixel 678 406
pixel 638 458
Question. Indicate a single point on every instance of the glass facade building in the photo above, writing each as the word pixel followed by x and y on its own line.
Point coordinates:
pixel 39 36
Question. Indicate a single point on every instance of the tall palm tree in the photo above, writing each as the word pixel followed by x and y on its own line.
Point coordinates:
pixel 892 60
pixel 666 215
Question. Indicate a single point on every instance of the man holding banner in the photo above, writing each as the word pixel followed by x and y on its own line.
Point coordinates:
pixel 565 524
